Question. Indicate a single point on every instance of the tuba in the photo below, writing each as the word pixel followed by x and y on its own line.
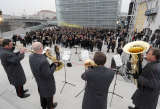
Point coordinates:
pixel 53 59
pixel 136 50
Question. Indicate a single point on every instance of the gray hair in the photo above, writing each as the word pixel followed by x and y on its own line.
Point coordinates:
pixel 36 46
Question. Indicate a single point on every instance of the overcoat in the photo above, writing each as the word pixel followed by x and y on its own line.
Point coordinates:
pixel 12 66
pixel 146 96
pixel 98 81
pixel 43 74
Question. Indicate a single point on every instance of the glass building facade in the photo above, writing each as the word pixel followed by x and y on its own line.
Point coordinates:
pixel 88 13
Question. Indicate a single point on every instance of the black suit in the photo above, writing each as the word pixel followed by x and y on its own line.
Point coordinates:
pixel 43 74
pixel 96 91
pixel 146 96
pixel 15 73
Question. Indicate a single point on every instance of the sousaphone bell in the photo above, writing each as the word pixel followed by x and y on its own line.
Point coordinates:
pixel 136 49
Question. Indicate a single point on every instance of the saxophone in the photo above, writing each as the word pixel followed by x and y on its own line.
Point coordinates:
pixel 54 60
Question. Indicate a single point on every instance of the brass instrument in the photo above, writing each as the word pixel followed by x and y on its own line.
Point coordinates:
pixel 89 63
pixel 48 54
pixel 54 60
pixel 20 46
pixel 136 49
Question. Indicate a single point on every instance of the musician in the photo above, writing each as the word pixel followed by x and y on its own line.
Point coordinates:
pixel 43 73
pixel 1 40
pixel 98 80
pixel 11 64
pixel 56 49
pixel 146 96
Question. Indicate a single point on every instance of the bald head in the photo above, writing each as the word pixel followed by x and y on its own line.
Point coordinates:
pixel 37 47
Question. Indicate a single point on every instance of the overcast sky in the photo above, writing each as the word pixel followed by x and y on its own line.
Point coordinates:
pixel 21 7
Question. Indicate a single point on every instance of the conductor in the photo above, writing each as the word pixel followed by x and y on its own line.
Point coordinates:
pixel 98 80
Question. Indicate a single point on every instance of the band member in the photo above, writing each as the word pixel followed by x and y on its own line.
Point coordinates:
pixel 98 80
pixel 1 40
pixel 56 49
pixel 43 73
pixel 11 64
pixel 146 96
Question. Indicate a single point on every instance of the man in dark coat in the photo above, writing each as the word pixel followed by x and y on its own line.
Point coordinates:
pixel 11 64
pixel 43 73
pixel 98 81
pixel 146 96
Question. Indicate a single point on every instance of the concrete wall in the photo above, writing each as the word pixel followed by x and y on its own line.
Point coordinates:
pixel 153 22
pixel 140 17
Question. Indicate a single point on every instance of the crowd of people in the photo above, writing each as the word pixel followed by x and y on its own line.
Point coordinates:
pixel 153 39
pixel 98 78
pixel 87 38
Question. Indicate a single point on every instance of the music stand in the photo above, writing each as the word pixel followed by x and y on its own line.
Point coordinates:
pixel 66 56
pixel 81 91
pixel 118 62
pixel 114 87
pixel 76 46
pixel 84 56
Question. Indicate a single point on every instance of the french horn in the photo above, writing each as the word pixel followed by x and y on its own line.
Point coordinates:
pixel 53 58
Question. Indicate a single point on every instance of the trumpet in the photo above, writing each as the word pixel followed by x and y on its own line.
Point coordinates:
pixel 20 46
pixel 47 53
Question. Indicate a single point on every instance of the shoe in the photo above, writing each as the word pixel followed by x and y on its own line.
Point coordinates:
pixel 130 107
pixel 26 90
pixel 55 104
pixel 25 96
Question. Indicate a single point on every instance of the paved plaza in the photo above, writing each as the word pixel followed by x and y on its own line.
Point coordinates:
pixel 67 99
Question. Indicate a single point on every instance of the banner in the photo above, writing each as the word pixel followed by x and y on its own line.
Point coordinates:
pixel 70 25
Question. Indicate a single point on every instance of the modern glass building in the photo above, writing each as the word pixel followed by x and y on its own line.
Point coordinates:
pixel 88 13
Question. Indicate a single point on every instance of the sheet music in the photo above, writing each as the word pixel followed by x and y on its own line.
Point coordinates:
pixel 84 55
pixel 118 60
pixel 66 55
